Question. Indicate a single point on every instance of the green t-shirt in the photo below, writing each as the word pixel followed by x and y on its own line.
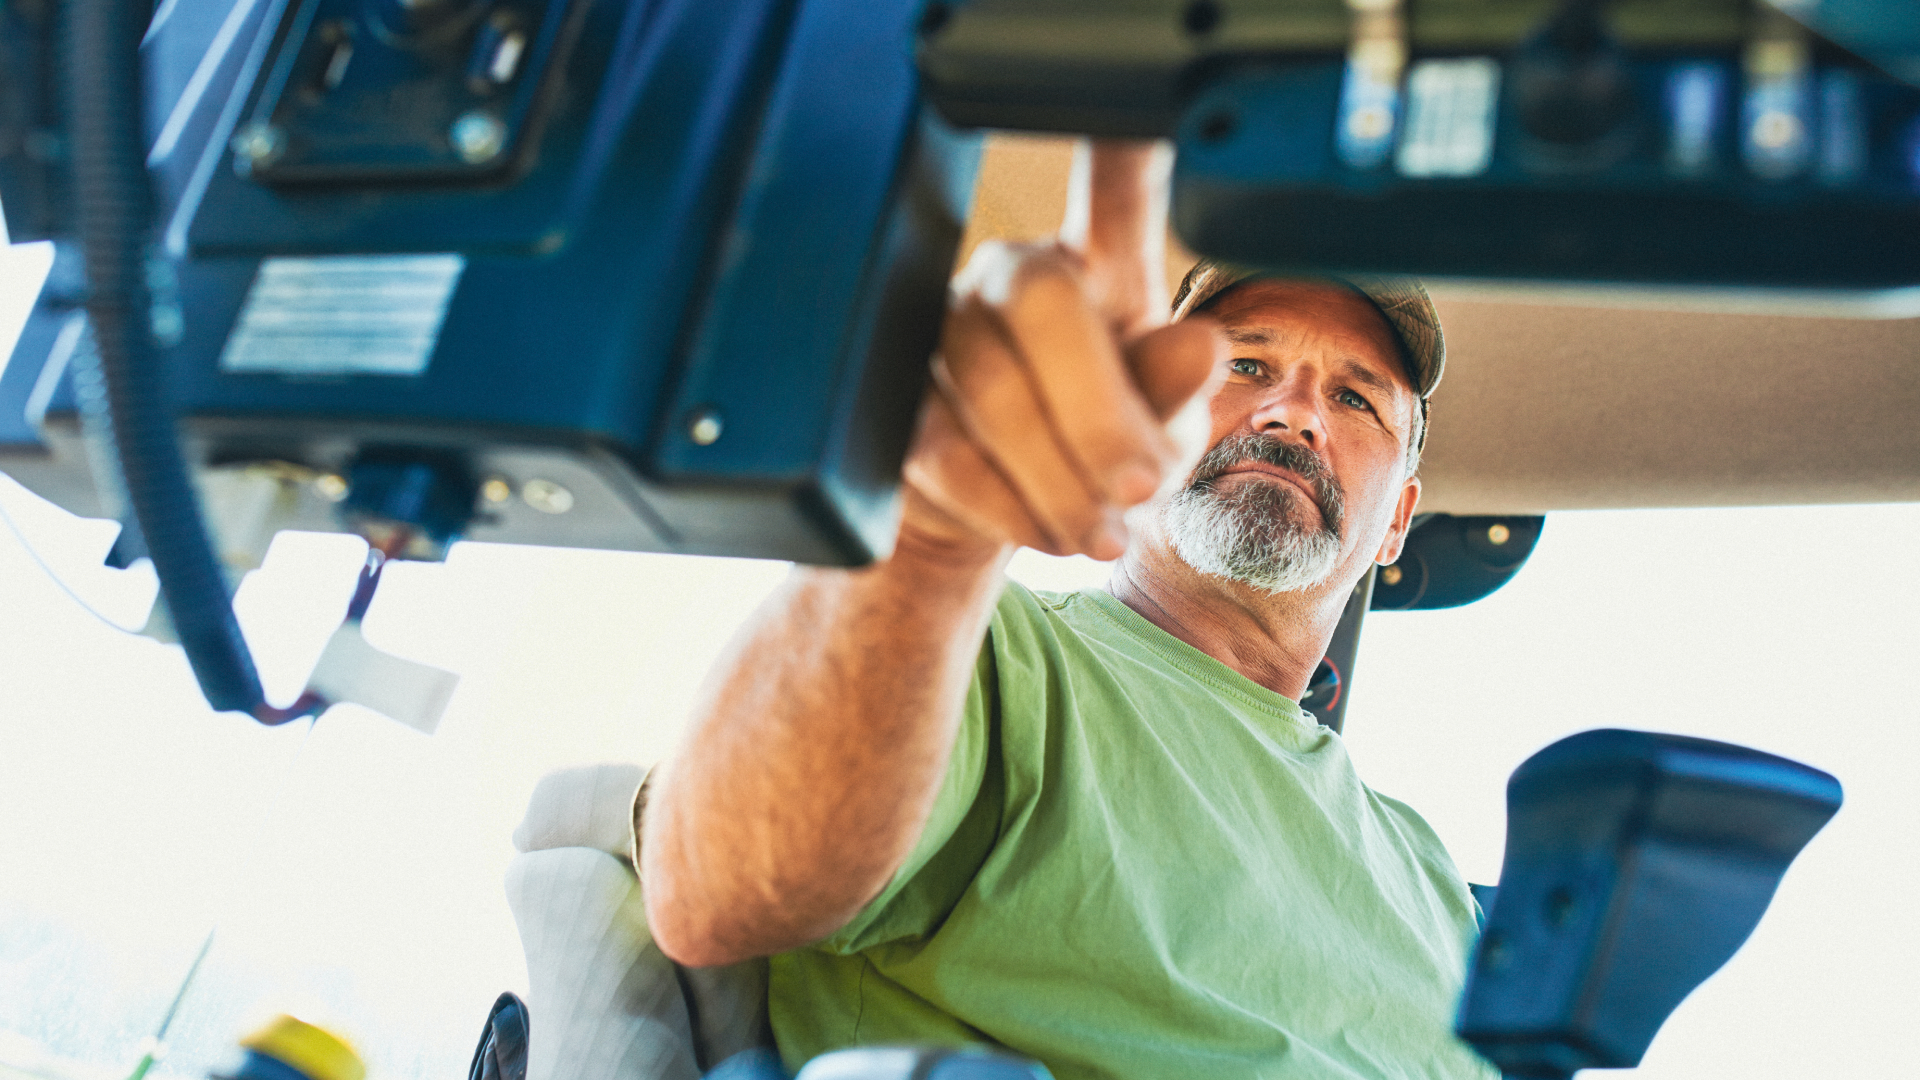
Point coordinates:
pixel 1144 865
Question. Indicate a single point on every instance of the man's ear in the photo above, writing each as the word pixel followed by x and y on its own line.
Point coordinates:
pixel 1396 537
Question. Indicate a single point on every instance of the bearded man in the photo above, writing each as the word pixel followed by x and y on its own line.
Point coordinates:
pixel 1107 838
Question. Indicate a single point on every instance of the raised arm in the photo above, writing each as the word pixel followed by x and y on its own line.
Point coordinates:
pixel 815 756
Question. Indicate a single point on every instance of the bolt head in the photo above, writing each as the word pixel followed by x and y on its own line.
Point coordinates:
pixel 496 490
pixel 258 145
pixel 704 427
pixel 547 496
pixel 1392 575
pixel 1495 951
pixel 1201 18
pixel 1498 534
pixel 478 137
pixel 1218 126
pixel 330 486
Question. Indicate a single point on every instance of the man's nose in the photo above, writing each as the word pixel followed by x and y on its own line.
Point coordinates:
pixel 1292 408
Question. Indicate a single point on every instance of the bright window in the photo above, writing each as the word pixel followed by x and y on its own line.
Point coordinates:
pixel 353 868
pixel 354 872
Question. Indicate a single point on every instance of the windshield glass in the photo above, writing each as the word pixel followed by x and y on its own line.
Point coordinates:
pixel 354 870
pixel 351 870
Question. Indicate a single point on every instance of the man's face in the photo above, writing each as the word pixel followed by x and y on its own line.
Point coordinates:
pixel 1306 480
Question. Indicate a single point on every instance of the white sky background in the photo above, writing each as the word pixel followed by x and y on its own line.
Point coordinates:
pixel 355 872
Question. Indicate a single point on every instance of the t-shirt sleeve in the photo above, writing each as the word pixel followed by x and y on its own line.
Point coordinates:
pixel 960 832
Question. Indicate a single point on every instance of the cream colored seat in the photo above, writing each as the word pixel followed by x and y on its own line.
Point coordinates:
pixel 604 1002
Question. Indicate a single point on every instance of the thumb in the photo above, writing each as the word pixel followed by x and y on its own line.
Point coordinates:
pixel 1179 363
pixel 1178 368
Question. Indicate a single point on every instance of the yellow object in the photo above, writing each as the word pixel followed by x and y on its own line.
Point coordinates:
pixel 315 1051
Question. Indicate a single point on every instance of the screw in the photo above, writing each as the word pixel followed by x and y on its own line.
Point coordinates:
pixel 1560 906
pixel 1217 126
pixel 547 496
pixel 1495 952
pixel 496 490
pixel 331 486
pixel 704 427
pixel 934 19
pixel 258 145
pixel 1201 17
pixel 1498 534
pixel 1391 575
pixel 478 137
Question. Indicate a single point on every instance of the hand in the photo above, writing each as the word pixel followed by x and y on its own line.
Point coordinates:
pixel 1062 398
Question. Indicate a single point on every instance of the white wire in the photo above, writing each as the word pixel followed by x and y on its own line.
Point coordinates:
pixel 60 583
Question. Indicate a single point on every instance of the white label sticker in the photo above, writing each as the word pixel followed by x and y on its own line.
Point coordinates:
pixel 343 315
pixel 1450 114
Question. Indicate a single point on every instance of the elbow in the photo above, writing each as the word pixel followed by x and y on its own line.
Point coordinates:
pixel 699 922
pixel 694 952
pixel 695 931
pixel 689 939
pixel 706 909
pixel 681 909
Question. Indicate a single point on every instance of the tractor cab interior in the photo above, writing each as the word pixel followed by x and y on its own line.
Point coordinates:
pixel 385 443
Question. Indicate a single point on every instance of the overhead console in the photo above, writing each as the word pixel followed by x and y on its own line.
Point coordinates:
pixel 1653 142
pixel 665 275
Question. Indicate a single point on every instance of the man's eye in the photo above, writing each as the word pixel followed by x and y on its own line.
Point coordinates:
pixel 1353 400
pixel 1245 367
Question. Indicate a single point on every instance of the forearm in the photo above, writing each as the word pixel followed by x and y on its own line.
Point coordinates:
pixel 815 758
pixel 812 768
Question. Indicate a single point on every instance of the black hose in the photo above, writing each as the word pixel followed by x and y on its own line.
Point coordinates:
pixel 114 208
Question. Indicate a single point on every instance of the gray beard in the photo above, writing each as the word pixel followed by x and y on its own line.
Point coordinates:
pixel 1260 534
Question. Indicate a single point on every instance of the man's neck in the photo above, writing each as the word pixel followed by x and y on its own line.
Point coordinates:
pixel 1277 640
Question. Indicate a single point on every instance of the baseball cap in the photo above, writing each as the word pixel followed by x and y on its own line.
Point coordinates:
pixel 1402 301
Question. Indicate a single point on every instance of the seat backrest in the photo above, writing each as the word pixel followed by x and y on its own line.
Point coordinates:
pixel 605 1002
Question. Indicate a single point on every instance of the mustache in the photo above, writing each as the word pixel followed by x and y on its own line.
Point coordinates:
pixel 1303 462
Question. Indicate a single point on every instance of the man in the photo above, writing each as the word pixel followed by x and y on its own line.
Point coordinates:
pixel 1108 839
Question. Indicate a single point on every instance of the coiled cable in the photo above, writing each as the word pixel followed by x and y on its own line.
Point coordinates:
pixel 113 203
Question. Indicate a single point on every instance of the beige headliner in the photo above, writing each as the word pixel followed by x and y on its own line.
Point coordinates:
pixel 1558 406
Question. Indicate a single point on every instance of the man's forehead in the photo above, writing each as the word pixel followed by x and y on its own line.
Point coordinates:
pixel 1283 314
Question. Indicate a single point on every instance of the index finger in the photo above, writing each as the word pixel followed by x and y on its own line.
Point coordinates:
pixel 1117 219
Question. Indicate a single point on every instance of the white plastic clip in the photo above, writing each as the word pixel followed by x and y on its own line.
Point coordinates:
pixel 351 670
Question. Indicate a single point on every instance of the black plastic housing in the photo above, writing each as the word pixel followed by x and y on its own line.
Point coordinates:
pixel 1636 865
pixel 1259 183
pixel 1452 560
pixel 1251 90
